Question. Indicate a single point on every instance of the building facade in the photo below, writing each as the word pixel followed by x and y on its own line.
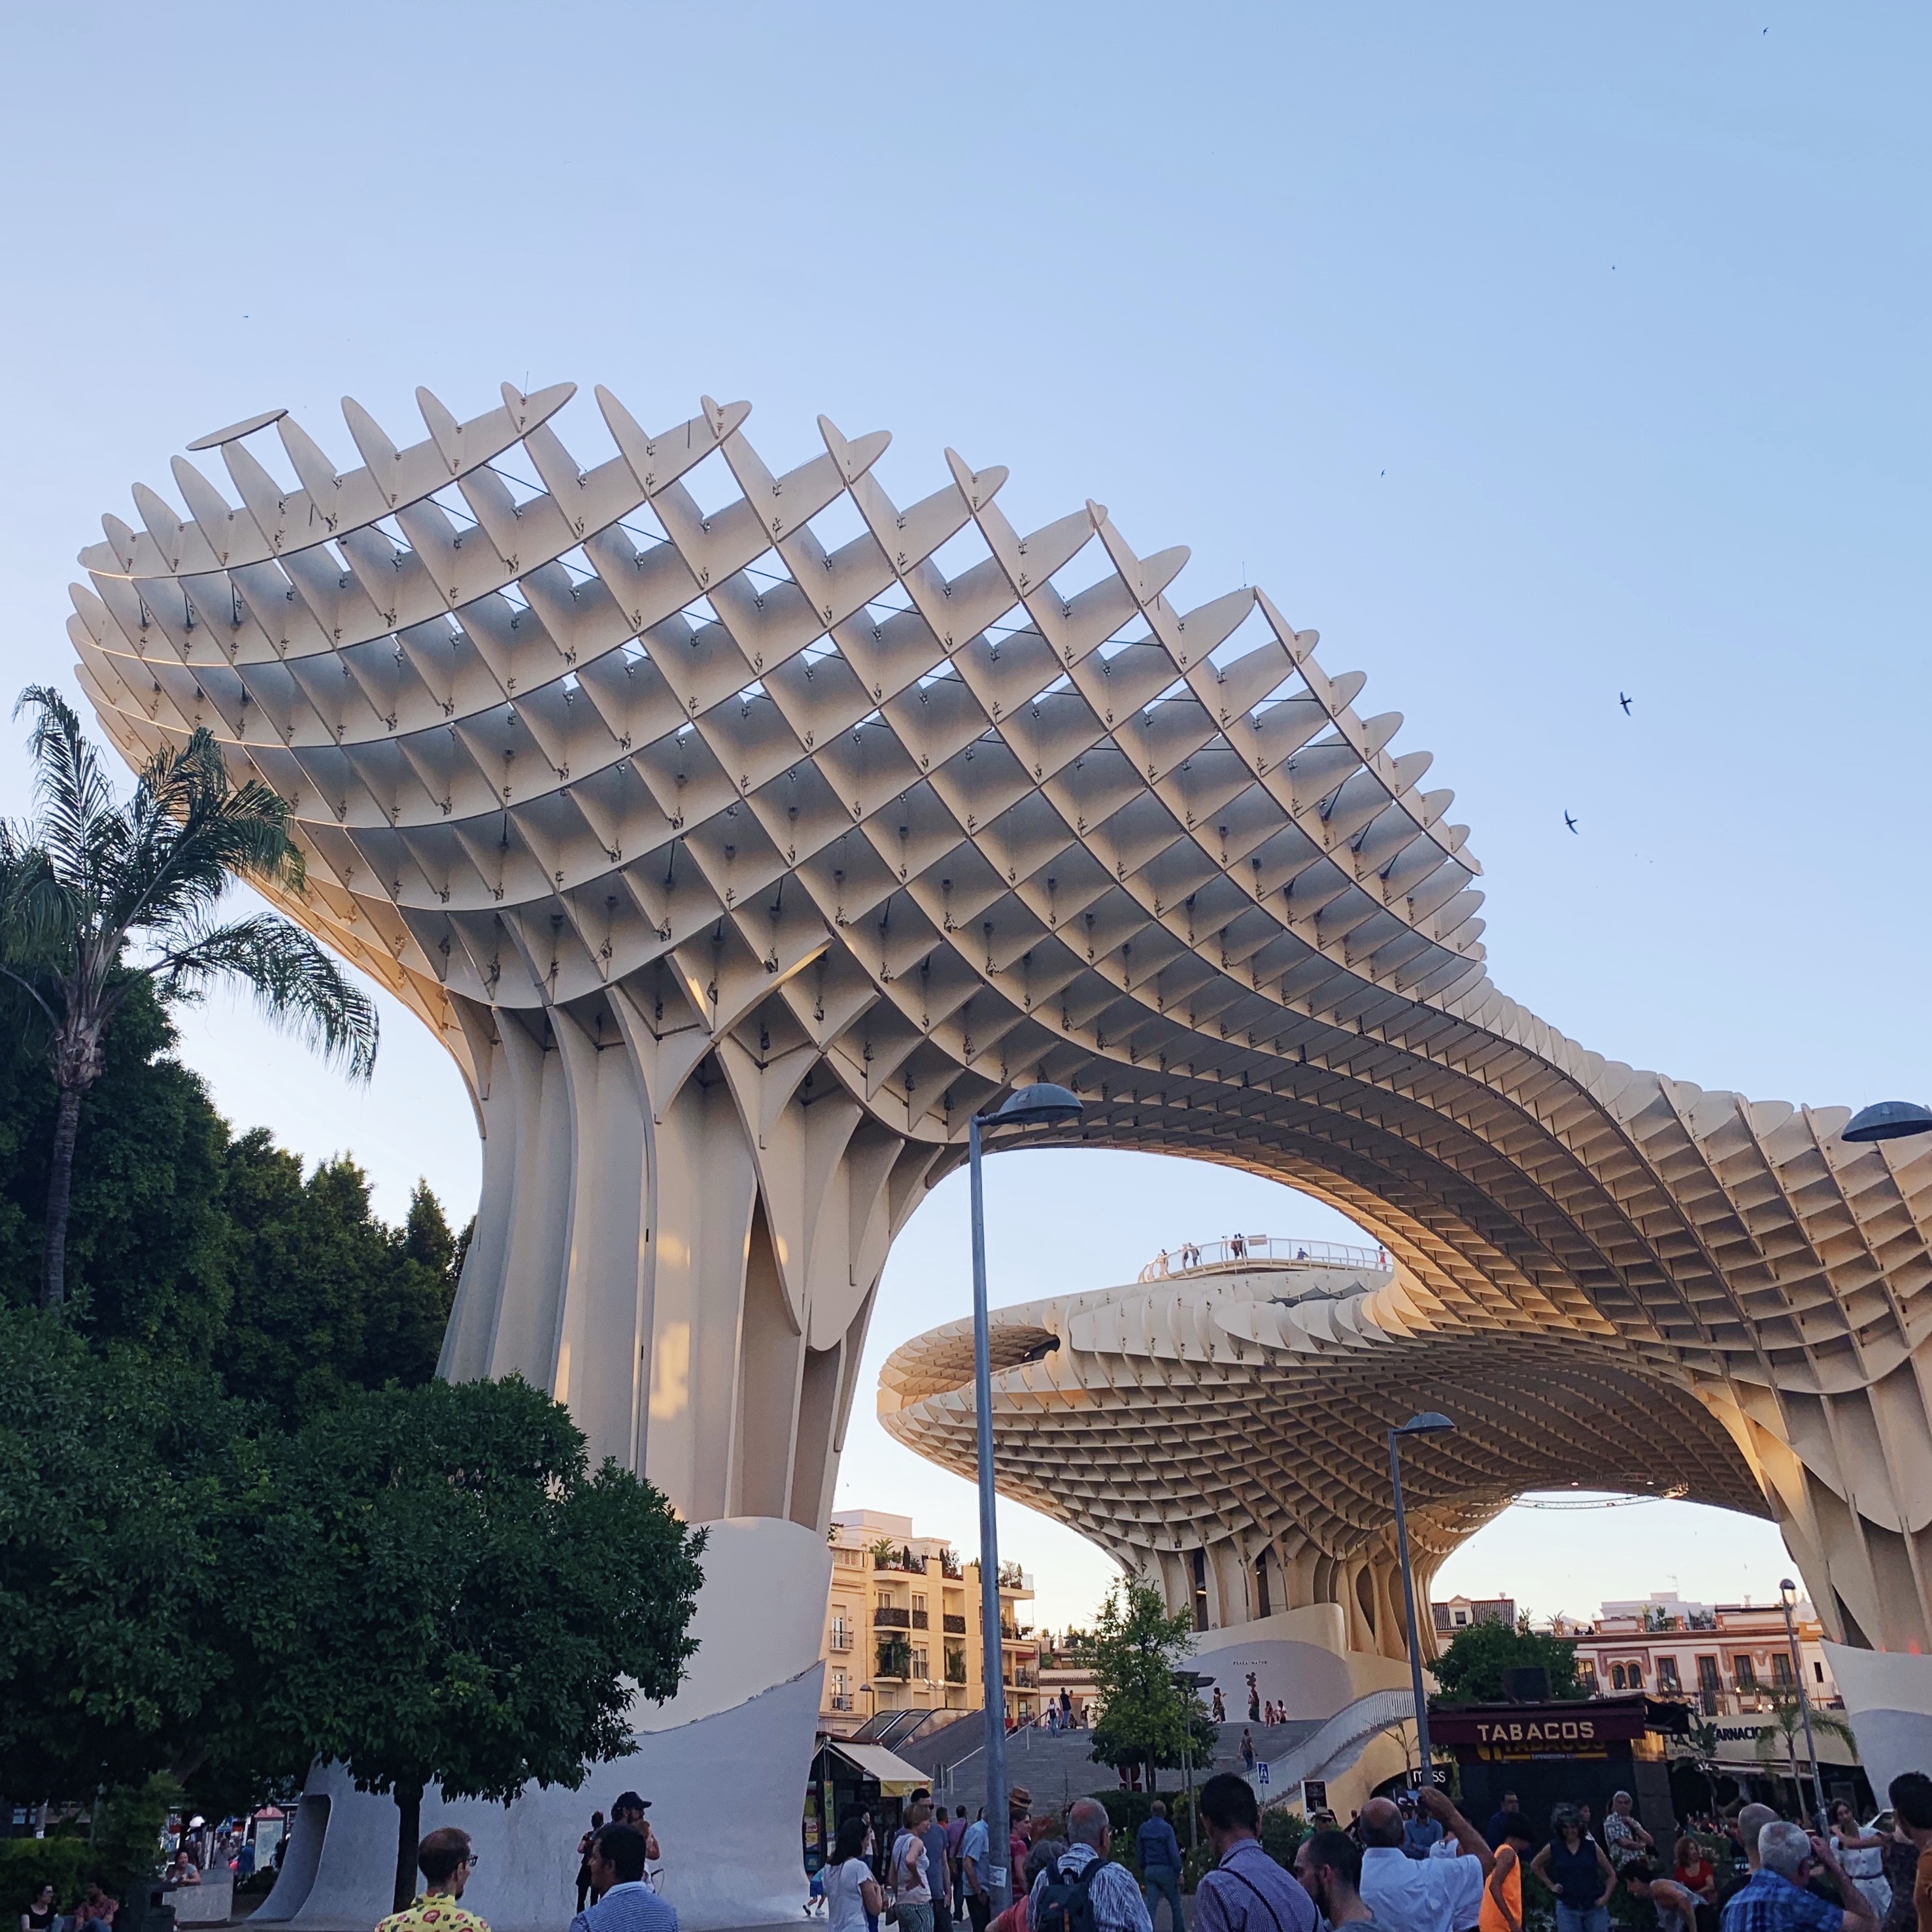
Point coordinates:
pixel 902 1627
pixel 1459 1612
pixel 1729 1660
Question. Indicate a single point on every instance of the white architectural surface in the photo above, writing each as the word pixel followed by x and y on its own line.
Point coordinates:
pixel 740 833
pixel 722 1764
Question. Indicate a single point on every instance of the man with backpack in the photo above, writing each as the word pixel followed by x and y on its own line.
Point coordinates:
pixel 1082 1891
pixel 1247 1891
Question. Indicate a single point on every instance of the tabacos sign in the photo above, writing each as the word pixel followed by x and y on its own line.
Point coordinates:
pixel 1548 1731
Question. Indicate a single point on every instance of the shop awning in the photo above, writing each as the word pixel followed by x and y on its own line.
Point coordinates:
pixel 896 1778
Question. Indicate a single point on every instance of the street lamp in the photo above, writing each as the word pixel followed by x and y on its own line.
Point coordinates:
pixel 1427 1423
pixel 1787 1595
pixel 1888 1120
pixel 1041 1105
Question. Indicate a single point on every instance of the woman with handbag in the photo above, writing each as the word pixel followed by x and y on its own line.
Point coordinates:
pixel 853 1899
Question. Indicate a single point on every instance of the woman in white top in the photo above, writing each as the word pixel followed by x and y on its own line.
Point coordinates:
pixel 1862 1857
pixel 852 1893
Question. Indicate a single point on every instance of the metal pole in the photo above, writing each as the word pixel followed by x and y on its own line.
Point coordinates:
pixel 1805 1711
pixel 999 1862
pixel 1409 1599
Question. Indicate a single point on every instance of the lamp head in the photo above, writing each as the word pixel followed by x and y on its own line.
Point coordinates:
pixel 1888 1120
pixel 1040 1104
pixel 1429 1423
pixel 1787 1594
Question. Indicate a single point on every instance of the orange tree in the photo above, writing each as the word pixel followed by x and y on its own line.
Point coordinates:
pixel 441 1588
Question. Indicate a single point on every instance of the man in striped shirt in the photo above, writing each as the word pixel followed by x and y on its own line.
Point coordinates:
pixel 1247 1891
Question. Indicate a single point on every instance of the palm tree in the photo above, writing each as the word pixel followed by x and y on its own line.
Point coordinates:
pixel 1780 1736
pixel 86 879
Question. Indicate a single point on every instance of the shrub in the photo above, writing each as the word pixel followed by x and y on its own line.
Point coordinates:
pixel 1127 1811
pixel 126 1851
pixel 27 1864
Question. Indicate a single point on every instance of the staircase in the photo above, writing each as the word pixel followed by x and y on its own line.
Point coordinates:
pixel 1057 1766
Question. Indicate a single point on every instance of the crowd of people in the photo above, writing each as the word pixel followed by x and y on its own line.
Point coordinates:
pixel 1413 1864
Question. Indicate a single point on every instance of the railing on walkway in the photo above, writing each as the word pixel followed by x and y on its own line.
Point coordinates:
pixel 1191 1256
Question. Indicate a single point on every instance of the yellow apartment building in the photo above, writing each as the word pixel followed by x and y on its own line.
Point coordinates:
pixel 902 1627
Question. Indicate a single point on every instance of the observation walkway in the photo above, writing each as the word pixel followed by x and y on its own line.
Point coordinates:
pixel 1241 1251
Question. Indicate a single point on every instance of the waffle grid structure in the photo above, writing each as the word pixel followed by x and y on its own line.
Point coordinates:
pixel 740 833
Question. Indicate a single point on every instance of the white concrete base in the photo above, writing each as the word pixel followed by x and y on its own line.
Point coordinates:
pixel 1888 1698
pixel 1301 1659
pixel 207 1904
pixel 724 1764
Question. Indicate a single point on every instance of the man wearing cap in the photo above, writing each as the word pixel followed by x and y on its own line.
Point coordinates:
pixel 629 1809
pixel 625 1903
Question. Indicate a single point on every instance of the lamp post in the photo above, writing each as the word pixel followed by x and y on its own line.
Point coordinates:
pixel 1040 1105
pixel 1787 1595
pixel 1193 1682
pixel 1427 1423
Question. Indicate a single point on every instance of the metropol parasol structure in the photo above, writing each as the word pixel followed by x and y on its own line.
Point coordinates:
pixel 741 833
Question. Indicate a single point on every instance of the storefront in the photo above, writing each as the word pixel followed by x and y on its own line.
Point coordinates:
pixel 1579 1753
pixel 848 1777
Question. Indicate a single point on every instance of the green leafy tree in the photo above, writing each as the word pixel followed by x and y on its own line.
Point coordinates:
pixel 148 1247
pixel 1470 1670
pixel 196 1244
pixel 327 1300
pixel 443 1589
pixel 115 1474
pixel 98 895
pixel 1133 1651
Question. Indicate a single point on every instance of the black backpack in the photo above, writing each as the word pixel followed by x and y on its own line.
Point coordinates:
pixel 1066 1905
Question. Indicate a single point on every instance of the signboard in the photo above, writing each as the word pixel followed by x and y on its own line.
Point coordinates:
pixel 1261 1772
pixel 1314 1795
pixel 1566 1729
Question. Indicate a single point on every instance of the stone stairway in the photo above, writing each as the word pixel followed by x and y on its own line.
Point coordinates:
pixel 1058 1766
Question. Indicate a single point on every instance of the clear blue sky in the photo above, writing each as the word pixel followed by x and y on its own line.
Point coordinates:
pixel 1532 355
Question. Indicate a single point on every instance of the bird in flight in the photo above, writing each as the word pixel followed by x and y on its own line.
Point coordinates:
pixel 1624 702
pixel 1571 822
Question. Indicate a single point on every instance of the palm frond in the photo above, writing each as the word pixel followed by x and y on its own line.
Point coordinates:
pixel 296 984
pixel 191 829
pixel 78 813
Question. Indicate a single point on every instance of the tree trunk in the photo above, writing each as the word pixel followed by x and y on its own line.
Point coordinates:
pixel 60 1193
pixel 409 1830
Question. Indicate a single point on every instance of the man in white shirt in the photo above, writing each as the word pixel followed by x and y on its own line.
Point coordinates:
pixel 1434 1895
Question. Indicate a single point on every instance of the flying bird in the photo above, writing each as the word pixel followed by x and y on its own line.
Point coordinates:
pixel 1571 822
pixel 1624 702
